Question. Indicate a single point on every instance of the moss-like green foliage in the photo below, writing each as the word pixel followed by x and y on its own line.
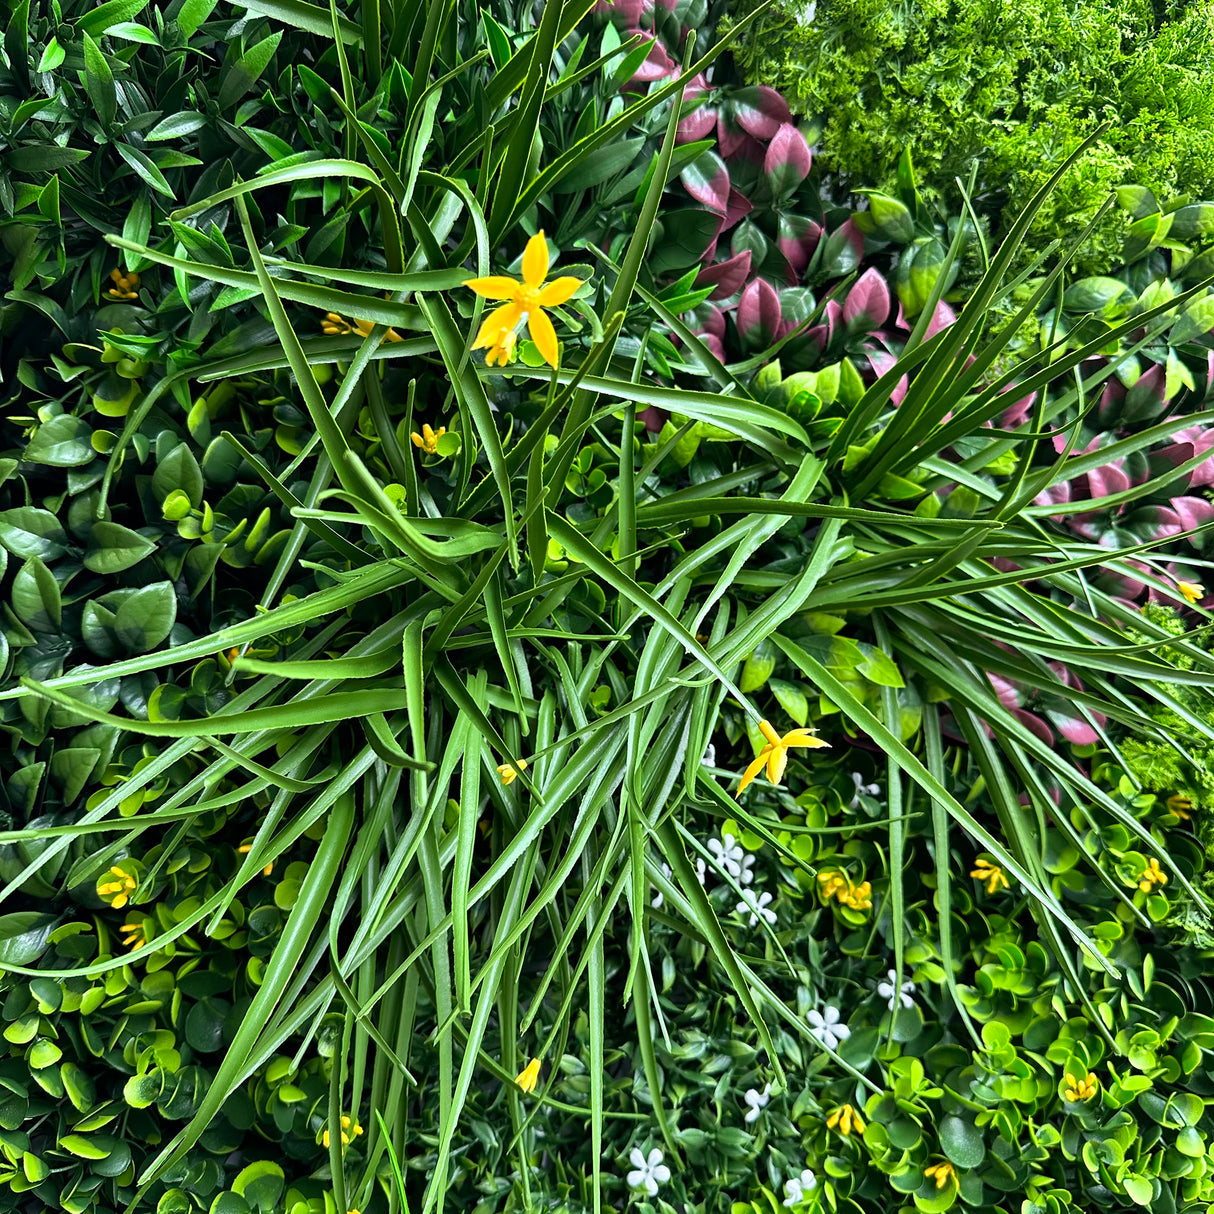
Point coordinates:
pixel 1013 85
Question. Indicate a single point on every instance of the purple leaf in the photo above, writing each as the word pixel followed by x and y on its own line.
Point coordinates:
pixel 706 179
pixel 787 161
pixel 727 277
pixel 1105 481
pixel 711 320
pixel 1192 512
pixel 797 237
pixel 657 65
pixel 1076 731
pixel 736 208
pixel 1017 414
pixel 1034 724
pixel 867 303
pixel 882 361
pixel 699 123
pixel 738 145
pixel 942 317
pixel 760 111
pixel 758 317
pixel 654 418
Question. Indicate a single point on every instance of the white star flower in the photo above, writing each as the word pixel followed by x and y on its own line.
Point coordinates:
pixel 888 991
pixel 747 875
pixel 755 905
pixel 871 790
pixel 648 1173
pixel 757 1101
pixel 827 1027
pixel 798 1188
pixel 729 854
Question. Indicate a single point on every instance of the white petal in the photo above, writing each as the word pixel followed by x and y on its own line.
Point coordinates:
pixel 651 1187
pixel 842 1032
pixel 808 1179
pixel 655 1157
pixel 815 1018
pixel 635 1179
pixel 830 1014
pixel 753 1115
pixel 637 1158
pixel 661 1173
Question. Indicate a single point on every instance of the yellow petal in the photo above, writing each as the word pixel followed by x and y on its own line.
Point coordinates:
pixel 753 770
pixel 527 1077
pixel 768 731
pixel 496 325
pixel 558 291
pixel 777 761
pixel 544 336
pixel 495 287
pixel 535 261
pixel 803 737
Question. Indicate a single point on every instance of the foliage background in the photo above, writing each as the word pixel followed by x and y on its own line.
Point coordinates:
pixel 778 521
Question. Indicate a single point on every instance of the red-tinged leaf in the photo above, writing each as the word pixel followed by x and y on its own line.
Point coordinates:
pixel 654 418
pixel 736 208
pixel 1017 414
pixel 1032 722
pixel 1104 482
pixel 1192 511
pixel 881 361
pixel 942 317
pixel 738 145
pixel 726 277
pixel 758 317
pixel 697 125
pixel 787 160
pixel 867 303
pixel 657 65
pixel 797 237
pixel 760 111
pixel 706 179
pixel 708 318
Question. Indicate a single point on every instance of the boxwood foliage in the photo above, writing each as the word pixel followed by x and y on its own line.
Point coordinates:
pixel 1009 88
pixel 279 929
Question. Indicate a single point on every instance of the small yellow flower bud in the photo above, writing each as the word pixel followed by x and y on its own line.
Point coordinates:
pixel 529 1075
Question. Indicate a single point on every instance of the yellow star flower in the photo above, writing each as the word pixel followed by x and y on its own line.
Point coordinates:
pixel 1075 1090
pixel 134 935
pixel 509 773
pixel 1180 805
pixel 992 874
pixel 117 892
pixel 125 285
pixel 845 1119
pixel 246 847
pixel 943 1173
pixel 427 440
pixel 529 1075
pixel 1192 591
pixel 527 301
pixel 1151 876
pixel 774 756
pixel 335 325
